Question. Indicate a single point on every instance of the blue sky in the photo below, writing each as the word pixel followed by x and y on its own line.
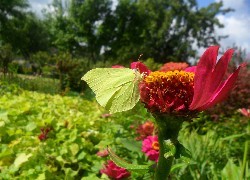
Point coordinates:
pixel 237 23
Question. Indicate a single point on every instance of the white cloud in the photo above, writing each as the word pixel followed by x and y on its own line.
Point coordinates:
pixel 38 5
pixel 241 5
pixel 237 24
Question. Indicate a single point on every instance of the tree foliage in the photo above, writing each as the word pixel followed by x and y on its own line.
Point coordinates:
pixel 6 56
pixel 22 29
pixel 162 30
pixel 101 30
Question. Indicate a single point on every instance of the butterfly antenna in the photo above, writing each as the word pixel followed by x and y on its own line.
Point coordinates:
pixel 140 57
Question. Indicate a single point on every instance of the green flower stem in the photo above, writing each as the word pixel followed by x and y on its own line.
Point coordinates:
pixel 168 129
pixel 245 153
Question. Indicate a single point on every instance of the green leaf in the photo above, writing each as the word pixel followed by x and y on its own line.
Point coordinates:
pixel 131 167
pixel 91 177
pixel 81 155
pixel 232 137
pixel 169 149
pixel 177 166
pixel 31 126
pixel 131 144
pixel 74 148
pixel 41 177
pixel 21 158
pixel 230 171
pixel 182 153
pixel 116 89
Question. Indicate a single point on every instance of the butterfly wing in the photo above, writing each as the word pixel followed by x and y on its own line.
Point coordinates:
pixel 116 89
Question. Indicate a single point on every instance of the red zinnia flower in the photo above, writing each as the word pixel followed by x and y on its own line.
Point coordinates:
pixel 113 171
pixel 150 146
pixel 195 89
pixel 141 67
pixel 138 66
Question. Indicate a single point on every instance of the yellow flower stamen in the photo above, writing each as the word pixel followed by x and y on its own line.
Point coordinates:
pixel 155 145
pixel 170 90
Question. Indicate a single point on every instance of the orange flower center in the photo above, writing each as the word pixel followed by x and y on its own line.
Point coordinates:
pixel 155 145
pixel 170 90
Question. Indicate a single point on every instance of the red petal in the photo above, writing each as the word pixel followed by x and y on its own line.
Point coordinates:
pixel 219 71
pixel 203 75
pixel 223 91
pixel 191 69
pixel 214 83
pixel 142 68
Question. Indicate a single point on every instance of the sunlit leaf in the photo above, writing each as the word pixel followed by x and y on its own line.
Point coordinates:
pixel 21 158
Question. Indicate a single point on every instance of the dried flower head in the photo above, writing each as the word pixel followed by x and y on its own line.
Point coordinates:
pixel 145 129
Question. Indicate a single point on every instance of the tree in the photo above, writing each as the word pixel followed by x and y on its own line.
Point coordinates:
pixel 10 12
pixel 163 30
pixel 61 28
pixel 87 16
pixel 22 29
pixel 6 56
pixel 30 37
pixel 10 9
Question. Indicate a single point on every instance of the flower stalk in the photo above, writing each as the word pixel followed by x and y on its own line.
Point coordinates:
pixel 245 153
pixel 168 129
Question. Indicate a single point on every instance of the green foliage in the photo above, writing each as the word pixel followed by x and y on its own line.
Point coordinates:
pixel 152 65
pixel 32 83
pixel 78 131
pixel 6 56
pixel 5 87
pixel 160 30
pixel 41 58
pixel 64 153
pixel 208 156
pixel 131 167
pixel 225 128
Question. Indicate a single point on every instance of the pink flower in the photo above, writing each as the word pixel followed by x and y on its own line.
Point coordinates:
pixel 195 89
pixel 103 153
pixel 150 146
pixel 113 171
pixel 245 112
